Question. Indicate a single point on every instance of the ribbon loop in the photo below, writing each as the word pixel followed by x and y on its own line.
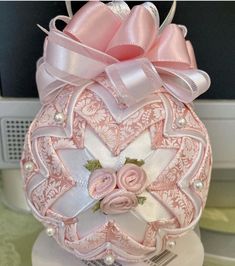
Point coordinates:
pixel 135 36
pixel 125 45
pixel 94 25
pixel 133 80
pixel 171 49
pixel 185 85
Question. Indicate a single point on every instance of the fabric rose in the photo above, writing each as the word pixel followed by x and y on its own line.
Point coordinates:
pixel 132 178
pixel 119 201
pixel 101 183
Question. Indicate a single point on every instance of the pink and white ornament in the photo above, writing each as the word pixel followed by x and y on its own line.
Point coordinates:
pixel 111 89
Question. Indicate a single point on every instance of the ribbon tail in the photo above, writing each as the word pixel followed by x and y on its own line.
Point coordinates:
pixel 69 8
pixel 169 17
pixel 49 85
pixel 185 85
pixel 66 61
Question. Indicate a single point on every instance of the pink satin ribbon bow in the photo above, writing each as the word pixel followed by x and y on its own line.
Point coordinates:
pixel 125 46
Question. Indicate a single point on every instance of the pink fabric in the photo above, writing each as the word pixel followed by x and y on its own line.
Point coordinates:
pixel 132 178
pixel 135 36
pixel 94 25
pixel 193 63
pixel 84 57
pixel 133 80
pixel 171 50
pixel 90 110
pixel 117 136
pixel 101 183
pixel 119 201
pixel 71 61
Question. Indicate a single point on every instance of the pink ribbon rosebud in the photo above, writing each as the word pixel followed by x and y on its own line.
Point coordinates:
pixel 101 183
pixel 119 201
pixel 132 178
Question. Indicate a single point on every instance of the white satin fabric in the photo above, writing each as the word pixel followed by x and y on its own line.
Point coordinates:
pixel 81 203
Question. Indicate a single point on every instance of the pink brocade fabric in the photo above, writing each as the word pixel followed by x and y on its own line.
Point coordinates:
pixel 173 187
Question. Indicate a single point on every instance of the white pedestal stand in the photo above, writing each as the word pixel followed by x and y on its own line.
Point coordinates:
pixel 188 250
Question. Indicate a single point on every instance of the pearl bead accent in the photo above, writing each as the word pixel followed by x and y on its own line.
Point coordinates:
pixel 29 166
pixel 198 185
pixel 59 118
pixel 181 122
pixel 50 231
pixel 109 259
pixel 171 244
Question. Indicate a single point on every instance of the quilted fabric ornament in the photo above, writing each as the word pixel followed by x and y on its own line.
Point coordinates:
pixel 116 164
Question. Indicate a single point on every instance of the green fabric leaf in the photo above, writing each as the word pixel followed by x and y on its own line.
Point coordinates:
pixel 92 165
pixel 141 200
pixel 134 161
pixel 96 207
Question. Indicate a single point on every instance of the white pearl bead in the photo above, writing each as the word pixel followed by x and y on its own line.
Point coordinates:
pixel 181 122
pixel 29 166
pixel 50 231
pixel 109 259
pixel 198 185
pixel 171 244
pixel 59 118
